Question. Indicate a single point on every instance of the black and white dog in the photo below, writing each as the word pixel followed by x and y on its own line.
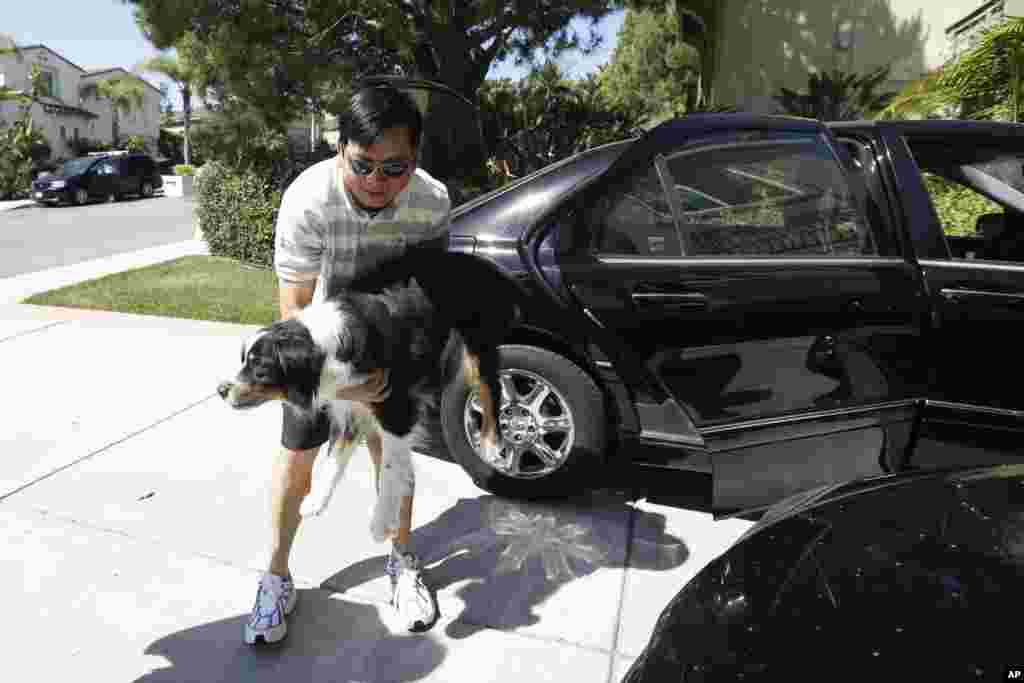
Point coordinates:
pixel 452 317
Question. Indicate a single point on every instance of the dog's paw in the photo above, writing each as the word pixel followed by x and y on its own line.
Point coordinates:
pixel 328 469
pixel 490 451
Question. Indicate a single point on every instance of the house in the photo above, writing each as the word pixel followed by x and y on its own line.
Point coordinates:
pixel 766 45
pixel 61 113
pixel 964 34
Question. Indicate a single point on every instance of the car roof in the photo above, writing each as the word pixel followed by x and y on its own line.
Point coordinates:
pixel 937 127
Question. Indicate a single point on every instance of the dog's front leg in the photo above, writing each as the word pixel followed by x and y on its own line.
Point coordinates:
pixel 397 483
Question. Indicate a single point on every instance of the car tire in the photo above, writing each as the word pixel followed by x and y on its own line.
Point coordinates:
pixel 146 189
pixel 80 197
pixel 573 409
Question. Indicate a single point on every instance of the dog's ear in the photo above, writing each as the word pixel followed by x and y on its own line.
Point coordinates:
pixel 300 363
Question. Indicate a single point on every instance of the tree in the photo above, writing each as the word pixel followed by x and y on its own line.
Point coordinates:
pixel 838 96
pixel 652 70
pixel 545 118
pixel 288 57
pixel 990 75
pixel 696 24
pixel 183 75
pixel 22 145
pixel 123 93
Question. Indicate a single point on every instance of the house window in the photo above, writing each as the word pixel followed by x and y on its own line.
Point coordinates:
pixel 63 133
pixel 48 83
pixel 76 135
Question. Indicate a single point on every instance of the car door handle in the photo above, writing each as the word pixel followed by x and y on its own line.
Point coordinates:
pixel 954 295
pixel 674 300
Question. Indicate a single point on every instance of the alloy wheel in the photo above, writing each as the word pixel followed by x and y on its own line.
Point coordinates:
pixel 535 424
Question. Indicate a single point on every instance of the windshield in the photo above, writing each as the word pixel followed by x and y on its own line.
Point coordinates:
pixel 76 166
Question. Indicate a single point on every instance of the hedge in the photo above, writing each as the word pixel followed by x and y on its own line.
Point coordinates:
pixel 237 212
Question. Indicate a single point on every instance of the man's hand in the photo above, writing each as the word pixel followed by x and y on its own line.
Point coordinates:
pixel 374 390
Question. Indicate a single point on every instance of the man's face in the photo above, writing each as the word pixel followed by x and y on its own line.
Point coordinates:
pixel 387 154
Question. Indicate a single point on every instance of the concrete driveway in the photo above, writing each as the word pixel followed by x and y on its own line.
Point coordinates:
pixel 133 509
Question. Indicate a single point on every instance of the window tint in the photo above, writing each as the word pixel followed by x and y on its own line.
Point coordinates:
pixel 977 192
pixel 758 194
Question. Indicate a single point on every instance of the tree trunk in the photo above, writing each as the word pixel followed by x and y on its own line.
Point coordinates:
pixel 186 110
pixel 452 148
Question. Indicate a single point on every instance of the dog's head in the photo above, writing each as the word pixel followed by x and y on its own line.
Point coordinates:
pixel 280 363
pixel 306 360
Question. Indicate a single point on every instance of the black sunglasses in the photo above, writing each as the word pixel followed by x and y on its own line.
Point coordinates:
pixel 390 169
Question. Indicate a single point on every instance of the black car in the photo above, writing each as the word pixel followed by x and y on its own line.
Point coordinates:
pixel 99 176
pixel 914 576
pixel 750 306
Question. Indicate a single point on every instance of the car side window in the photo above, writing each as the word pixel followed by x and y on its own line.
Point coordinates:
pixel 746 194
pixel 106 168
pixel 977 191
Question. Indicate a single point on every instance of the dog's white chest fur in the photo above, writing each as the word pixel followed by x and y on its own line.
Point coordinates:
pixel 326 324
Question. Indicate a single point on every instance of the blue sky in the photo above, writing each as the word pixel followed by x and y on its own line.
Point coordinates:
pixel 102 33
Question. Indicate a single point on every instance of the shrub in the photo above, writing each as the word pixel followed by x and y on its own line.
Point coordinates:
pixel 237 211
pixel 184 169
pixel 958 206
pixel 136 143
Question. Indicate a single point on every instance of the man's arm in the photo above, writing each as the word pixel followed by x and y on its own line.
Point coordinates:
pixel 294 297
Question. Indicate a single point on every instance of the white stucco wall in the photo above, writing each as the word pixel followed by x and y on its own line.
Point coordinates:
pixel 68 79
pixel 774 44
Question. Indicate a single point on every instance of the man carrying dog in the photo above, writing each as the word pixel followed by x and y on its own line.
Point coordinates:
pixel 338 220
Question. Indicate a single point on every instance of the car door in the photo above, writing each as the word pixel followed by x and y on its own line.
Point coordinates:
pixel 975 408
pixel 729 258
pixel 101 179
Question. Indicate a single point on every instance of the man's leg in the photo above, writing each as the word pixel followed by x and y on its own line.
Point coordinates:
pixel 290 483
pixel 291 479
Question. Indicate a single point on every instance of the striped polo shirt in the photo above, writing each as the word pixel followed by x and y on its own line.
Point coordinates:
pixel 321 235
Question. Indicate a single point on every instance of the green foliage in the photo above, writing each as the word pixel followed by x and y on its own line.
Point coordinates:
pixel 124 94
pixel 237 211
pixel 169 146
pixel 286 58
pixel 958 206
pixel 652 70
pixel 838 96
pixel 184 75
pixel 545 118
pixel 22 145
pixel 184 169
pixel 990 73
pixel 136 143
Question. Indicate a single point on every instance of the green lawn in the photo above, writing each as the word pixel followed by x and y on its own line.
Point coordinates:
pixel 194 287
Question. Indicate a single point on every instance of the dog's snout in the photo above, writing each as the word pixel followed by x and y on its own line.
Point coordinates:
pixel 223 389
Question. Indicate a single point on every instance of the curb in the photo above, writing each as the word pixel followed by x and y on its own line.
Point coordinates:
pixel 18 287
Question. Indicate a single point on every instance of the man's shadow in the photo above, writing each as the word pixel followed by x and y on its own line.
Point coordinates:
pixel 329 639
pixel 515 555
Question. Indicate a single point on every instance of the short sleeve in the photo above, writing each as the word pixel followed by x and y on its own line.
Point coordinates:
pixel 299 237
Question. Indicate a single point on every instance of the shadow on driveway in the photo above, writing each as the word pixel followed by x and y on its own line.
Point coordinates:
pixel 511 555
pixel 328 640
pixel 515 555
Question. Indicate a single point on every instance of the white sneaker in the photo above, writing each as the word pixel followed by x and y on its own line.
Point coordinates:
pixel 275 600
pixel 412 600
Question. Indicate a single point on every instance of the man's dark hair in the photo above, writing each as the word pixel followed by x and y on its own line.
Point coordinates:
pixel 374 109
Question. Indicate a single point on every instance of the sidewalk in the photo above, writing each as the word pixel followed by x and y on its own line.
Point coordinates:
pixel 133 509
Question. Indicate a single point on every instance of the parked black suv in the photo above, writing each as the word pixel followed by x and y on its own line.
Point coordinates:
pixel 101 175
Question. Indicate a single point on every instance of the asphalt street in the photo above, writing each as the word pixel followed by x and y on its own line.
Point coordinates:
pixel 36 238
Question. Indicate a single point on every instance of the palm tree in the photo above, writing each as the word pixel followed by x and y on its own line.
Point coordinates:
pixel 992 71
pixel 183 76
pixel 123 93
pixel 838 96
